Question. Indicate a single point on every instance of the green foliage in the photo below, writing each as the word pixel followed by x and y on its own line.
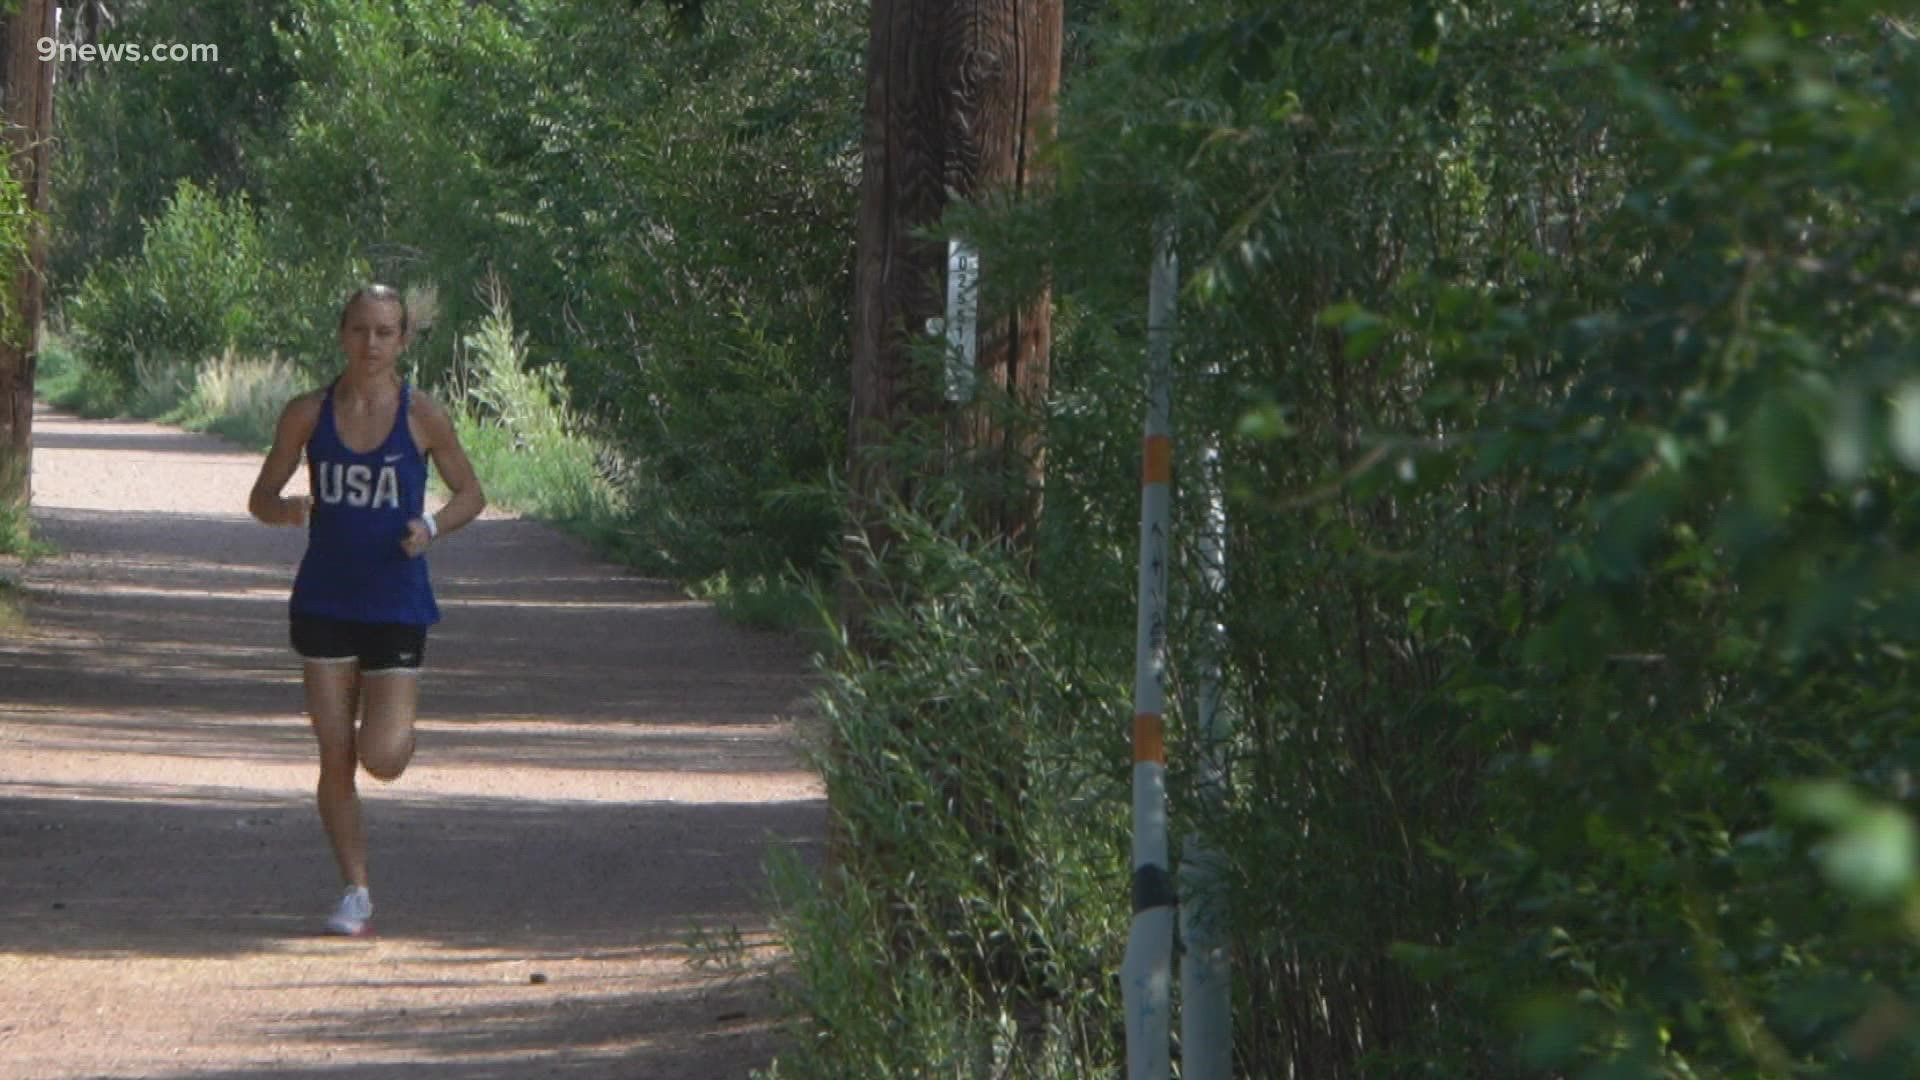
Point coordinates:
pixel 1303 157
pixel 517 428
pixel 239 399
pixel 232 396
pixel 1559 358
pixel 69 382
pixel 708 191
pixel 201 284
pixel 15 228
pixel 17 541
pixel 766 602
pixel 11 618
pixel 186 294
pixel 1730 594
pixel 974 912
pixel 667 199
pixel 129 133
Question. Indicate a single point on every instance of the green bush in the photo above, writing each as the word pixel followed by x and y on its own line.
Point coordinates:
pixel 768 602
pixel 68 381
pixel 16 536
pixel 240 399
pixel 711 203
pixel 971 921
pixel 127 134
pixel 517 428
pixel 187 294
pixel 1568 424
pixel 1730 604
pixel 202 284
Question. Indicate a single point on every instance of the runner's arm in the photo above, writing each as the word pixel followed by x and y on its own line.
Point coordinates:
pixel 441 442
pixel 289 440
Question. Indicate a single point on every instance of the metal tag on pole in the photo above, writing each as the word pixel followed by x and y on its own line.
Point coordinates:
pixel 963 319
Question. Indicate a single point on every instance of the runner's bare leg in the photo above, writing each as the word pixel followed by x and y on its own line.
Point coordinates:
pixel 386 737
pixel 333 693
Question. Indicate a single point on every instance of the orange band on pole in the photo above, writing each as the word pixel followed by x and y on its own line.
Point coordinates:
pixel 1149 744
pixel 1158 468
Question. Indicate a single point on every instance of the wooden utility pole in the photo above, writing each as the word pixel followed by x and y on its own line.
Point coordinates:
pixel 959 96
pixel 26 94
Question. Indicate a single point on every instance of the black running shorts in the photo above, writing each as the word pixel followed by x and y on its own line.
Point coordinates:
pixel 377 646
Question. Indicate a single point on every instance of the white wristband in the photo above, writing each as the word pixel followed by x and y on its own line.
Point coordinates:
pixel 433 530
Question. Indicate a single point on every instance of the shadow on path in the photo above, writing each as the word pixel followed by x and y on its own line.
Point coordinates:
pixel 92 871
pixel 604 765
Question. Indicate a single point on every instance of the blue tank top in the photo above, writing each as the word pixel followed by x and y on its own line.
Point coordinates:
pixel 354 567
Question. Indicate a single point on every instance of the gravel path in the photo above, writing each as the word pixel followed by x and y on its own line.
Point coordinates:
pixel 603 766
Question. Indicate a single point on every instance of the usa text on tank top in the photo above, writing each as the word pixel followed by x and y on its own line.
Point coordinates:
pixel 362 501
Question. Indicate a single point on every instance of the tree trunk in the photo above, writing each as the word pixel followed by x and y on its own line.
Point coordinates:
pixel 26 92
pixel 1006 68
pixel 958 97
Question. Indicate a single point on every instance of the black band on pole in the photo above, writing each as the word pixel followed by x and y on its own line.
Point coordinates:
pixel 1153 888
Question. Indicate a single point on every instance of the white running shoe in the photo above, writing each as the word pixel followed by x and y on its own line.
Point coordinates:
pixel 354 915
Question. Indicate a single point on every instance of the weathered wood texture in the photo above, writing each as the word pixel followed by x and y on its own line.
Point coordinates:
pixel 958 97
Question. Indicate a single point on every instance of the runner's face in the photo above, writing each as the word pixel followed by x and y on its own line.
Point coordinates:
pixel 371 336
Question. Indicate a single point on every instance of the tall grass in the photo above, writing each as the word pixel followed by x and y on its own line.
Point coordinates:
pixel 766 601
pixel 236 397
pixel 16 526
pixel 16 532
pixel 241 399
pixel 518 429
pixel 17 545
pixel 66 379
pixel 12 618
pixel 969 923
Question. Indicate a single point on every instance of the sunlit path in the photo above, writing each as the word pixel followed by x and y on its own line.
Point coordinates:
pixel 602 767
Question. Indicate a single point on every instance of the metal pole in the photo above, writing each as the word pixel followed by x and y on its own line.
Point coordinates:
pixel 1145 975
pixel 1206 971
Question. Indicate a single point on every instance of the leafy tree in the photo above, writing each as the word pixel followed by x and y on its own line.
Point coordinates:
pixel 128 133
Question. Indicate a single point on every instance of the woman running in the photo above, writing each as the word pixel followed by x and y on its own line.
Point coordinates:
pixel 362 601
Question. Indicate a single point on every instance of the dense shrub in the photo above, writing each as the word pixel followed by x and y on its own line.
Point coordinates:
pixel 519 428
pixel 129 133
pixel 202 282
pixel 710 197
pixel 971 920
pixel 1561 360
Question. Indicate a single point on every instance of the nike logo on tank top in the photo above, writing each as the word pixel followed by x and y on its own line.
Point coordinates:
pixel 354 567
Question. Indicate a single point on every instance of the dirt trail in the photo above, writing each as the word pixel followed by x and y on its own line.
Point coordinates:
pixel 603 765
